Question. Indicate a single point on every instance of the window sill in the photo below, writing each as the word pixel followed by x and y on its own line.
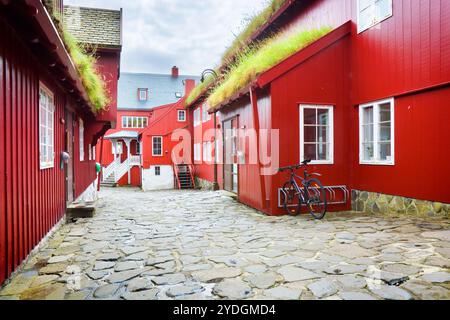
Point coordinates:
pixel 47 167
pixel 376 163
pixel 321 163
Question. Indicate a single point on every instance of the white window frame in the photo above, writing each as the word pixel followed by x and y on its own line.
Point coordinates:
pixel 205 115
pixel 376 20
pixel 197 152
pixel 183 112
pixel 207 152
pixel 376 133
pixel 197 117
pixel 153 146
pixel 125 120
pixel 119 144
pixel 49 109
pixel 81 138
pixel 140 92
pixel 302 133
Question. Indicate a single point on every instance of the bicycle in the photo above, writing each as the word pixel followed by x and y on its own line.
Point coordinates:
pixel 312 193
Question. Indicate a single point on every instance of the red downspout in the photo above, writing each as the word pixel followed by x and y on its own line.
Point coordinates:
pixel 256 125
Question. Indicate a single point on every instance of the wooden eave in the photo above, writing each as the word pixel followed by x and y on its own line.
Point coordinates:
pixel 32 21
pixel 290 63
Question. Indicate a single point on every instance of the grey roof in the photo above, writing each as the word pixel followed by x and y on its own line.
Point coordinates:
pixel 161 90
pixel 99 27
pixel 123 135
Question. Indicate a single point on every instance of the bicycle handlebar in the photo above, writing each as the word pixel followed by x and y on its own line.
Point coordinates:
pixel 304 163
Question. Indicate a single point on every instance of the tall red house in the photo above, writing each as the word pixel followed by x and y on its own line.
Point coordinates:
pixel 138 152
pixel 376 88
pixel 45 112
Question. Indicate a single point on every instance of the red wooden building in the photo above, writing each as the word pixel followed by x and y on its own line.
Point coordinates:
pixel 368 103
pixel 45 111
pixel 138 152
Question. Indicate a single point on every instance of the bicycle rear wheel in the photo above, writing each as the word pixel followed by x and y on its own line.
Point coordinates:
pixel 317 203
pixel 290 199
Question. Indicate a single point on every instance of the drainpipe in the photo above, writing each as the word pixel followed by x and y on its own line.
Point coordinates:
pixel 216 183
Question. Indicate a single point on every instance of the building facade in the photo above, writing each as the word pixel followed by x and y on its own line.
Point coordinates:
pixel 139 151
pixel 47 127
pixel 367 103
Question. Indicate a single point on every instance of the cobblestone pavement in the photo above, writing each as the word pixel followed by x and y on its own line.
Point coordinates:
pixel 204 245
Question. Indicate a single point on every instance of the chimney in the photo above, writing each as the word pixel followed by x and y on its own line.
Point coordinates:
pixel 189 85
pixel 175 72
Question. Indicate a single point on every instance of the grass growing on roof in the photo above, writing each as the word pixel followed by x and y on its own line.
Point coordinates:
pixel 259 58
pixel 254 24
pixel 199 89
pixel 85 63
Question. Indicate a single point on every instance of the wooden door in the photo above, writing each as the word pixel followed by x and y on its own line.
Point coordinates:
pixel 69 141
pixel 230 155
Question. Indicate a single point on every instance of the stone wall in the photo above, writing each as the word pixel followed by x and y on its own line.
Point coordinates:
pixel 204 184
pixel 377 203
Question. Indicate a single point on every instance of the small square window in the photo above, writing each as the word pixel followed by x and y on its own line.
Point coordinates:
pixel 157 171
pixel 143 94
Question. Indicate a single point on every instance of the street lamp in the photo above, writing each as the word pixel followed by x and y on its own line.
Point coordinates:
pixel 206 72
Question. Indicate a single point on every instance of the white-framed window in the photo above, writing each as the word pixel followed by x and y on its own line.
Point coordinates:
pixel 90 152
pixel 207 151
pixel 157 150
pixel 142 94
pixel 181 115
pixel 197 116
pixel 197 152
pixel 372 12
pixel 377 134
pixel 205 115
pixel 217 151
pixel 81 138
pixel 130 122
pixel 157 171
pixel 317 134
pixel 94 153
pixel 46 128
pixel 117 148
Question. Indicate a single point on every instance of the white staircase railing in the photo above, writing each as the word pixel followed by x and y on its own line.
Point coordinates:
pixel 108 171
pixel 122 169
pixel 117 169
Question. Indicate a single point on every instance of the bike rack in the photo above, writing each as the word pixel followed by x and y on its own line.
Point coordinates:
pixel 332 193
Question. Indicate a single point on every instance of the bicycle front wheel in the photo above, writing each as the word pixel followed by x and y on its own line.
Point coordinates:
pixel 317 199
pixel 290 199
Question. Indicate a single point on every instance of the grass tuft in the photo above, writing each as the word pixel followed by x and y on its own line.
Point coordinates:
pixel 200 89
pixel 253 24
pixel 257 58
pixel 85 62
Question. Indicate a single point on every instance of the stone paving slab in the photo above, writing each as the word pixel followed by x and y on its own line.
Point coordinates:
pixel 204 245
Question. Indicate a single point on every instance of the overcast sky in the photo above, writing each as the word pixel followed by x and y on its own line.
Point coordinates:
pixel 191 34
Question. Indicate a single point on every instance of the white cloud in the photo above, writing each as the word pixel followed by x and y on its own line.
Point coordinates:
pixel 191 34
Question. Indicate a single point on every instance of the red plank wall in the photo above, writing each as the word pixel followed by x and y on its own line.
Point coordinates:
pixel 32 201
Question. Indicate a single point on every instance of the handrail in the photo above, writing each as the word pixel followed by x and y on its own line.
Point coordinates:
pixel 108 171
pixel 122 169
pixel 177 177
pixel 192 170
